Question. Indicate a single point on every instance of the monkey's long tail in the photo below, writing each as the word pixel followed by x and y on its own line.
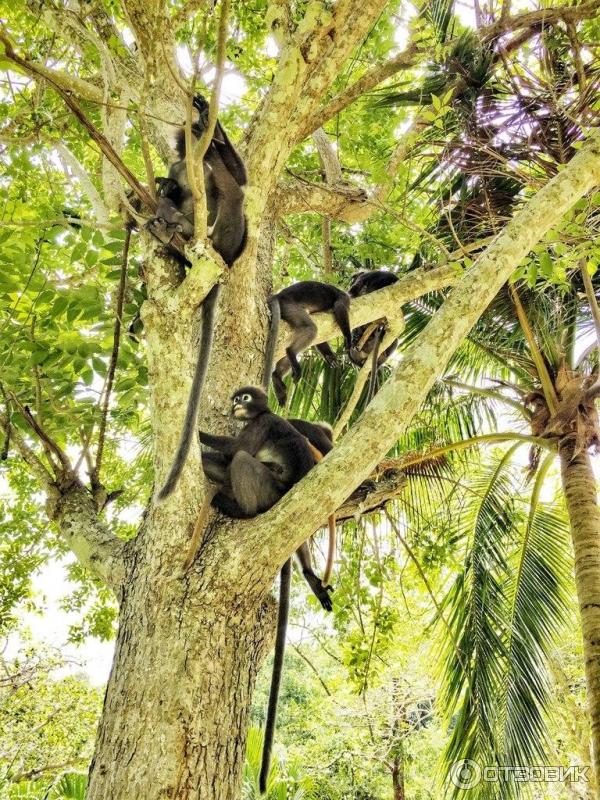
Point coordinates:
pixel 375 356
pixel 330 551
pixel 209 307
pixel 318 456
pixel 271 341
pixel 282 619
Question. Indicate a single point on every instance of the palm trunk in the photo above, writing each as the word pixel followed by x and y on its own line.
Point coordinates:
pixel 580 489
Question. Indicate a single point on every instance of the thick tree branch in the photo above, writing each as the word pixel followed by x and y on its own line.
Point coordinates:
pixel 200 279
pixel 268 543
pixel 73 508
pixel 70 83
pixel 308 65
pixel 96 548
pixel 544 16
pixel 372 495
pixel 342 201
pixel 372 78
pixel 353 20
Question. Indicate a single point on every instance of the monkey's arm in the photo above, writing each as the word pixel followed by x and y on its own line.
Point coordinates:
pixel 225 444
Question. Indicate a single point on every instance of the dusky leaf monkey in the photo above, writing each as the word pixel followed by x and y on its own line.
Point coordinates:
pixel 363 342
pixel 254 470
pixel 295 304
pixel 224 181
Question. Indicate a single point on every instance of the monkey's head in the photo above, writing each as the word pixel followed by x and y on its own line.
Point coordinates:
pixel 248 402
pixel 367 281
pixel 357 286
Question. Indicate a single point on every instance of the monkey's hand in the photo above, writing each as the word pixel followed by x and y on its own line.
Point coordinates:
pixel 162 230
pixel 320 591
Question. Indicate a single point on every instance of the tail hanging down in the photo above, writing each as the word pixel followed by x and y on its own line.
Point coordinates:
pixel 282 619
pixel 189 425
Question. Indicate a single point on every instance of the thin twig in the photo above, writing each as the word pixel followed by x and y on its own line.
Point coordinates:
pixel 536 354
pixel 202 145
pixel 114 355
pixel 49 444
pixel 313 668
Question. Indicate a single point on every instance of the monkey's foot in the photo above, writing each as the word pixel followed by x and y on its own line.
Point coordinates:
pixel 320 591
pixel 279 388
pixel 357 357
pixel 295 366
pixel 162 230
pixel 331 359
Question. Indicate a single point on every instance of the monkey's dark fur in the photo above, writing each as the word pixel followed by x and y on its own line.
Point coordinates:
pixel 278 656
pixel 365 283
pixel 254 470
pixel 295 304
pixel 224 178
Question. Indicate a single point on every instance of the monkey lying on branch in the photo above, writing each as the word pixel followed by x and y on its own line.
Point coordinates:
pixel 295 304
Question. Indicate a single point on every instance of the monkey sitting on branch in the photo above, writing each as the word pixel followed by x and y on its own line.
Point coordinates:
pixel 256 468
pixel 366 339
pixel 224 182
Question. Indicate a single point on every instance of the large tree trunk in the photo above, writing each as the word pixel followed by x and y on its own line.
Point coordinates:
pixel 177 702
pixel 579 485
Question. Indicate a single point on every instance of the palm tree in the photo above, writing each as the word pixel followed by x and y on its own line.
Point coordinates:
pixel 539 354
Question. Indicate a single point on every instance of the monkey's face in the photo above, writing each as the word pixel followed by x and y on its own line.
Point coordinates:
pixel 248 402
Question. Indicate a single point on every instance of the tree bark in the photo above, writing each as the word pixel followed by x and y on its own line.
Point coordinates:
pixel 398 774
pixel 177 701
pixel 579 485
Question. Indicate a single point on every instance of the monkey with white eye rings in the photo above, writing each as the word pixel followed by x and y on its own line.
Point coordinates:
pixel 295 304
pixel 224 179
pixel 257 467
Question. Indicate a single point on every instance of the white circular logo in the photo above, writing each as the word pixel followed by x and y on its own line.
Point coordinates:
pixel 465 774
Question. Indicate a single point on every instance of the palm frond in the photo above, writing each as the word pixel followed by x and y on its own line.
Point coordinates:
pixel 537 592
pixel 475 609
